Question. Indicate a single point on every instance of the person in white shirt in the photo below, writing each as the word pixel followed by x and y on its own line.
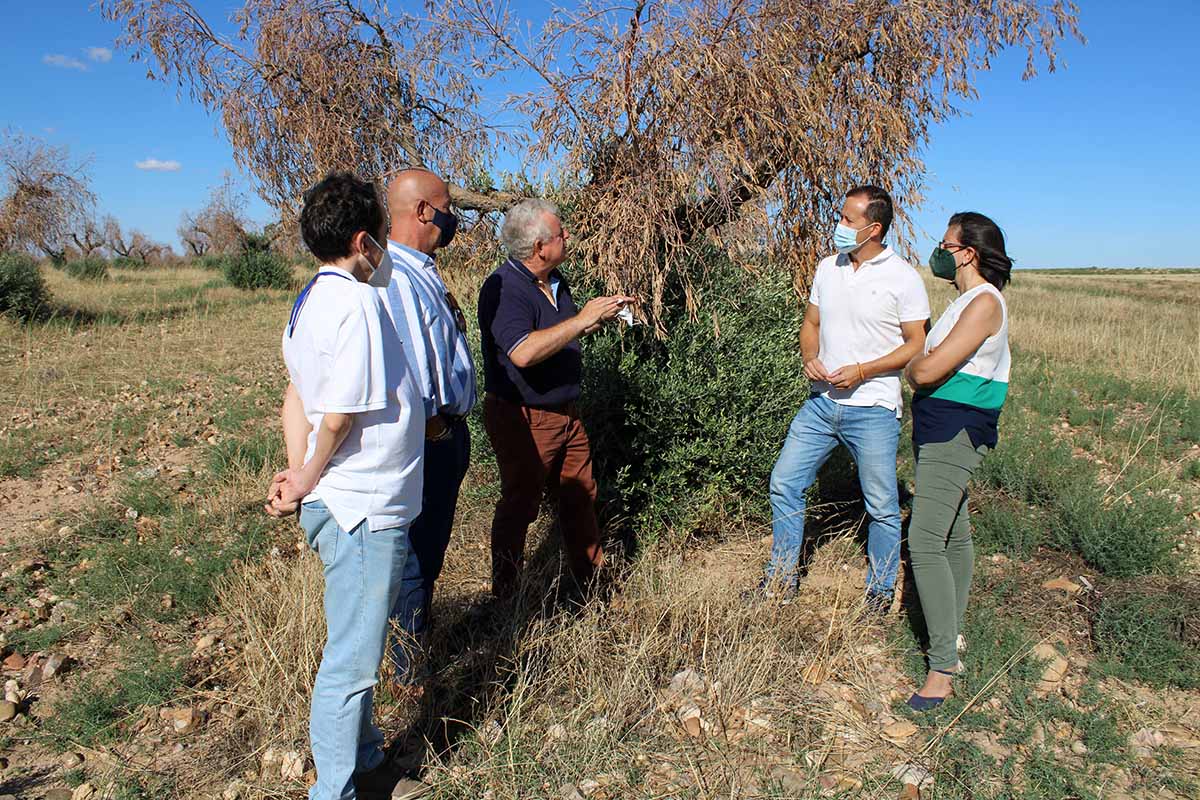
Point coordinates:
pixel 866 318
pixel 355 468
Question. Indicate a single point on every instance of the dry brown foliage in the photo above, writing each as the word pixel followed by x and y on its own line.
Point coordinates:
pixel 220 226
pixel 658 122
pixel 46 195
pixel 132 244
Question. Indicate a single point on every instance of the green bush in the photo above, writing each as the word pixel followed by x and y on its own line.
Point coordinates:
pixel 212 262
pixel 128 262
pixel 23 292
pixel 89 268
pixel 1150 631
pixel 256 267
pixel 685 431
pixel 1049 497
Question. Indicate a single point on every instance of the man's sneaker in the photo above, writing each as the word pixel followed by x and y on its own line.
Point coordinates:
pixel 960 644
pixel 878 603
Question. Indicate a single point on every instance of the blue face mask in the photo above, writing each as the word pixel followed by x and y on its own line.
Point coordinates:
pixel 845 238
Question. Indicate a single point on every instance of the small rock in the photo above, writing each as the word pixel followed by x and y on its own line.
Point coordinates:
pixel 8 710
pixel 14 662
pixel 84 791
pixel 556 732
pixel 168 601
pixel 131 513
pixel 1148 738
pixel 913 774
pixel 1079 748
pixel 63 612
pixel 1063 584
pixel 71 760
pixel 1054 671
pixel 66 530
pixel 57 793
pixel 568 791
pixel 588 787
pixel 686 682
pixel 900 729
pixel 55 665
pixel 205 642
pixel 291 767
pixel 183 720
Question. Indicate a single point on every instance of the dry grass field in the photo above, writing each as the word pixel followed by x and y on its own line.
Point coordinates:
pixel 160 633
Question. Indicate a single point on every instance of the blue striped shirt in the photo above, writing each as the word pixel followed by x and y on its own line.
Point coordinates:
pixel 440 352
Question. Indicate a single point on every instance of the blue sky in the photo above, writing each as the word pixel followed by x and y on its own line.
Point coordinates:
pixel 1095 165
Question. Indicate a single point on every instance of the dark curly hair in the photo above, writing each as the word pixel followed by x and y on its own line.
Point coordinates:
pixel 335 209
pixel 985 237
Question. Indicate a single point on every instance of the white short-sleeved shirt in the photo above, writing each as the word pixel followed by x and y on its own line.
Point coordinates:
pixel 344 356
pixel 861 312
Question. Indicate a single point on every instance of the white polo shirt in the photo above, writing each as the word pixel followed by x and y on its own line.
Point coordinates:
pixel 861 311
pixel 344 356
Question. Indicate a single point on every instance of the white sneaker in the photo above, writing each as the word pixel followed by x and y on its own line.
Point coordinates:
pixel 960 644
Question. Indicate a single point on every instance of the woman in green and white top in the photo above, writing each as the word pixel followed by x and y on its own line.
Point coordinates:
pixel 960 384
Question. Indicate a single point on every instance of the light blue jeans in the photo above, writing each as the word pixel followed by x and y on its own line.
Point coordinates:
pixel 363 571
pixel 871 434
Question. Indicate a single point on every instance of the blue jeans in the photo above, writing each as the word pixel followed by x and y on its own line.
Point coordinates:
pixel 871 434
pixel 363 569
pixel 446 465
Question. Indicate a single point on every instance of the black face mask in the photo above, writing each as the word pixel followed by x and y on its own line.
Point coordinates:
pixel 447 223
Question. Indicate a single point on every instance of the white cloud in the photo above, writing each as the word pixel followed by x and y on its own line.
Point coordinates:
pixel 66 62
pixel 159 166
pixel 101 54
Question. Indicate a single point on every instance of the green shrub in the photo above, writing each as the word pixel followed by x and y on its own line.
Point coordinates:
pixel 1049 497
pixel 256 267
pixel 688 429
pixel 212 262
pixel 23 292
pixel 1150 631
pixel 89 268
pixel 128 262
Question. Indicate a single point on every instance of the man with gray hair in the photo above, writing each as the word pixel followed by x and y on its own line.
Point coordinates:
pixel 532 365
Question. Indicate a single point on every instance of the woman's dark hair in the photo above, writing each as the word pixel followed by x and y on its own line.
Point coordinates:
pixel 337 208
pixel 985 238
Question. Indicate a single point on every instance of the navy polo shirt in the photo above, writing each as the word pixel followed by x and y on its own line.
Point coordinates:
pixel 511 306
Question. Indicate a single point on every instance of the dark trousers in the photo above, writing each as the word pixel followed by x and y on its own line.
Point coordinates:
pixel 538 449
pixel 446 465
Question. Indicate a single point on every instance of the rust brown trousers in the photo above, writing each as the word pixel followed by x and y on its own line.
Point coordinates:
pixel 538 449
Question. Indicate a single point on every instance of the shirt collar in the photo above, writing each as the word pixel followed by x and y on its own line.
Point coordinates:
pixel 843 259
pixel 554 277
pixel 413 257
pixel 883 255
pixel 326 268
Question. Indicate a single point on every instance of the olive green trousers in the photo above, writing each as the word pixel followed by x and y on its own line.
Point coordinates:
pixel 939 541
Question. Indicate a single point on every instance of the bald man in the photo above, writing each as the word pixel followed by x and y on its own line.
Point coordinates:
pixel 434 331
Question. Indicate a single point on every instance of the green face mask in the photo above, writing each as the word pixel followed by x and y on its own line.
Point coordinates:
pixel 941 264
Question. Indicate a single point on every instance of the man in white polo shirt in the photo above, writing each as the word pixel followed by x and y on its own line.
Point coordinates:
pixel 866 318
pixel 356 468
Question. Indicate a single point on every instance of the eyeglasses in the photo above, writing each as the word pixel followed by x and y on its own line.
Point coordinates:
pixel 951 245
